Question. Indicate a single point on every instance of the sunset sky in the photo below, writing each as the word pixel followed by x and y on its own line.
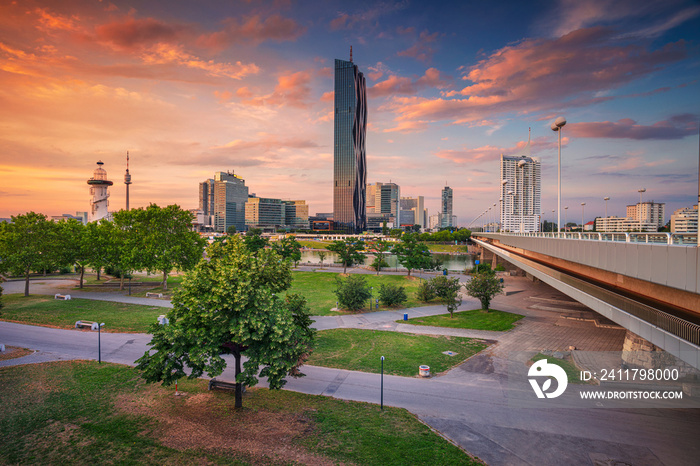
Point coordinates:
pixel 194 87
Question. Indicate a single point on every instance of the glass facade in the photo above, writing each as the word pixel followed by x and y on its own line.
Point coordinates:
pixel 446 208
pixel 349 157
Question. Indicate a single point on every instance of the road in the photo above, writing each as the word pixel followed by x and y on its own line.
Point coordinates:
pixel 471 407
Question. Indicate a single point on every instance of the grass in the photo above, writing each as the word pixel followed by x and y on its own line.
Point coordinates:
pixel 318 289
pixel 361 350
pixel 476 320
pixel 79 412
pixel 314 244
pixel 446 248
pixel 44 310
pixel 572 372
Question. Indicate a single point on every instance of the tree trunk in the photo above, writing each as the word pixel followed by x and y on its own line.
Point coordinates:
pixel 165 280
pixel 99 269
pixel 409 272
pixel 239 387
pixel 26 284
pixel 121 280
pixel 82 274
pixel 345 268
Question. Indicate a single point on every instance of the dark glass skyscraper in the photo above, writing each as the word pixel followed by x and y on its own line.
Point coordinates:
pixel 349 158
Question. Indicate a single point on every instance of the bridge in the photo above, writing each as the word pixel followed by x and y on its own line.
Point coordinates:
pixel 646 283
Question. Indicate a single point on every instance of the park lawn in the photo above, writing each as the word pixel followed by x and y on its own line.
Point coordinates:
pixel 361 350
pixel 476 320
pixel 81 412
pixel 446 247
pixel 314 244
pixel 318 289
pixel 573 373
pixel 47 311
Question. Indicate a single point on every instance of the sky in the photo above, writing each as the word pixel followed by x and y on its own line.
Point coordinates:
pixel 191 88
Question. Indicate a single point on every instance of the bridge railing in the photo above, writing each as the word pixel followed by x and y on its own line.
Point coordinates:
pixel 678 239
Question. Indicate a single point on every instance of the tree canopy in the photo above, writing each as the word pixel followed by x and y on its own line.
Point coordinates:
pixel 413 254
pixel 289 248
pixel 348 251
pixel 230 303
pixel 484 286
pixel 447 290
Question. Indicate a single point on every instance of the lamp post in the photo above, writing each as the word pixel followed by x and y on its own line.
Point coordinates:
pixel 566 209
pixel 583 204
pixel 557 126
pixel 639 208
pixel 502 207
pixel 99 342
pixel 606 199
pixel 553 224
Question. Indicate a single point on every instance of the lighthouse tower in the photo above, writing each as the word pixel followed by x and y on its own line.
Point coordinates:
pixel 100 194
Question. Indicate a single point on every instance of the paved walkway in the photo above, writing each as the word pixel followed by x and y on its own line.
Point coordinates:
pixel 469 404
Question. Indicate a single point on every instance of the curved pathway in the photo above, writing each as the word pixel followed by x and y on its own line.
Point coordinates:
pixel 469 404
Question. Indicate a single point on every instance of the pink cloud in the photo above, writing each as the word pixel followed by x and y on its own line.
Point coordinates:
pixel 421 50
pixel 542 74
pixel 137 34
pixel 676 127
pixel 292 89
pixel 394 85
pixel 492 153
pixel 255 29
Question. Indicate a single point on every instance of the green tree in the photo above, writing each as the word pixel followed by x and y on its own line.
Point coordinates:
pixel 289 248
pixel 1 303
pixel 447 290
pixel 413 254
pixel 348 251
pixel 425 291
pixel 484 286
pixel 353 292
pixel 392 295
pixel 231 230
pixel 74 246
pixel 379 248
pixel 385 228
pixel 126 243
pixel 26 244
pixel 396 232
pixel 321 257
pixel 230 304
pixel 99 238
pixel 166 241
pixel 254 240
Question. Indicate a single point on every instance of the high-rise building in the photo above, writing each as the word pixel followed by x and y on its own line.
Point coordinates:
pixel 648 212
pixel 446 208
pixel 230 197
pixel 417 206
pixel 349 157
pixel 99 189
pixel 383 198
pixel 262 212
pixel 206 197
pixel 685 220
pixel 520 193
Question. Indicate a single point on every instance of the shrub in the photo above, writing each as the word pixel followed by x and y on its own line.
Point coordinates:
pixel 447 289
pixel 392 295
pixel 378 263
pixel 64 270
pixel 482 268
pixel 425 292
pixel 484 286
pixel 499 268
pixel 353 292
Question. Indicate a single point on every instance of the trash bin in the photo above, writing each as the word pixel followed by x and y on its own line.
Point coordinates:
pixel 424 371
pixel 444 271
pixel 405 316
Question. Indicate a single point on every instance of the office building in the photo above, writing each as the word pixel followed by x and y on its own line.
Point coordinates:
pixel 230 197
pixel 349 157
pixel 647 212
pixel 685 220
pixel 206 197
pixel 417 206
pixel 296 215
pixel 263 212
pixel 622 224
pixel 446 208
pixel 383 198
pixel 520 192
pixel 435 221
pixel 377 220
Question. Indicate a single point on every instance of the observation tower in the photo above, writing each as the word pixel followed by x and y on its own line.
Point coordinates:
pixel 99 185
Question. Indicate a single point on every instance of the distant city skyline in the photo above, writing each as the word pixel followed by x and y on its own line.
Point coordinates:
pixel 190 89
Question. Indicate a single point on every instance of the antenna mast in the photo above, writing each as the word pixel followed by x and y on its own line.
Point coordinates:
pixel 351 54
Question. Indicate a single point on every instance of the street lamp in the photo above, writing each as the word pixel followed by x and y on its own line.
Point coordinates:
pixel 639 208
pixel 606 199
pixel 582 206
pixel 566 209
pixel 553 223
pixel 557 126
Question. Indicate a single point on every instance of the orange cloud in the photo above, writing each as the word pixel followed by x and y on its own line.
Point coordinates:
pixel 49 21
pixel 254 29
pixel 492 153
pixel 395 85
pixel 293 90
pixel 137 34
pixel 676 127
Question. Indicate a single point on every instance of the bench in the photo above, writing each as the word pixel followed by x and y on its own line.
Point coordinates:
pixel 61 296
pixel 86 324
pixel 153 295
pixel 221 385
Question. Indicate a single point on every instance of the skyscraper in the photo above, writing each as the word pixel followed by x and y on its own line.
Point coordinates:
pixel 230 197
pixel 446 209
pixel 383 198
pixel 349 158
pixel 520 193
